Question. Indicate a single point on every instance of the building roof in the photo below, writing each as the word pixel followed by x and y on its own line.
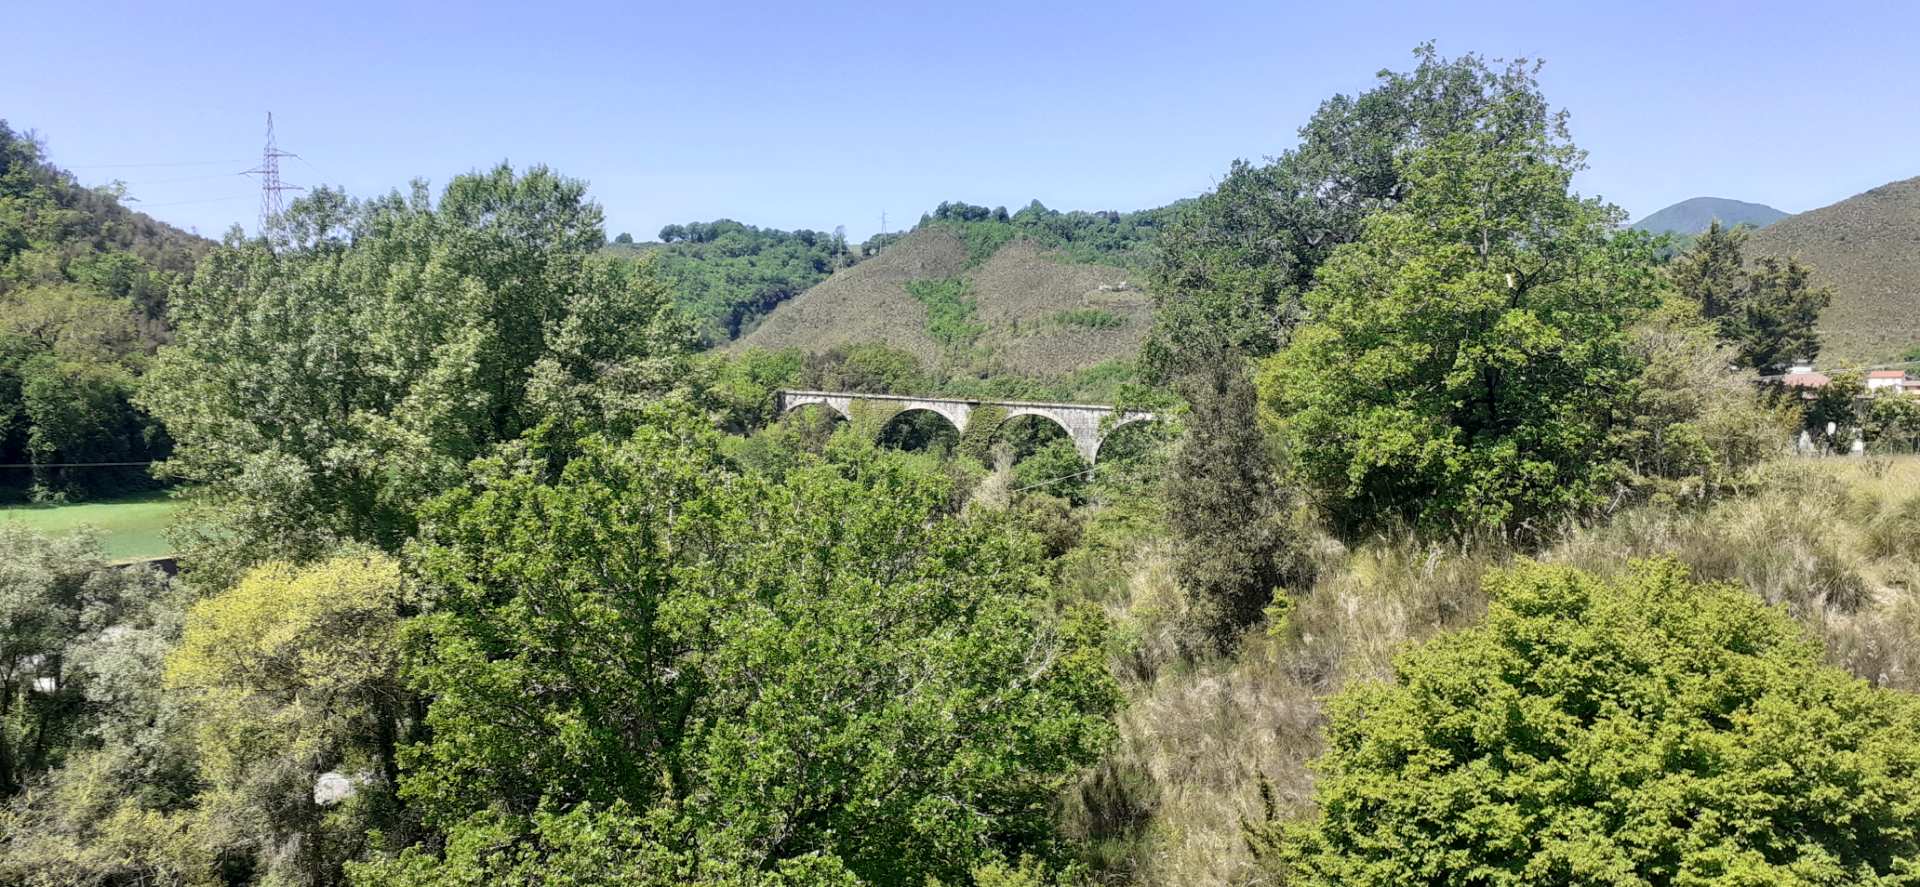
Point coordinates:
pixel 1887 374
pixel 1805 380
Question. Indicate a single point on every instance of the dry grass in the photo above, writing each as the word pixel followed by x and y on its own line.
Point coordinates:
pixel 868 302
pixel 1018 293
pixel 1867 248
pixel 1836 542
pixel 1200 736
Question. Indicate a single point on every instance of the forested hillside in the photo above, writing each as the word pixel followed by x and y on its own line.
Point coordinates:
pixel 1465 547
pixel 1867 250
pixel 727 275
pixel 83 289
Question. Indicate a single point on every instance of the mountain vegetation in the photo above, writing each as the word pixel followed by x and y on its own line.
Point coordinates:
pixel 1812 766
pixel 1696 214
pixel 973 299
pixel 1861 248
pixel 726 275
pixel 1464 550
pixel 83 284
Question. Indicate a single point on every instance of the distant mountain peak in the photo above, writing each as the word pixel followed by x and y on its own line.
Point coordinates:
pixel 1696 214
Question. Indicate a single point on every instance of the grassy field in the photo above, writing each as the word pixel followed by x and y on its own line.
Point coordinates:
pixel 130 527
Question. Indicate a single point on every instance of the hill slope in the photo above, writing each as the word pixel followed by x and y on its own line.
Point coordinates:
pixel 1867 248
pixel 1693 215
pixel 725 275
pixel 1022 307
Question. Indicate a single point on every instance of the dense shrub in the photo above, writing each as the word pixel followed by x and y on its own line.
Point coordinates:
pixel 1643 729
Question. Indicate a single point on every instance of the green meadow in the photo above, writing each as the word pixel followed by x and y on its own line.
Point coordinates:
pixel 129 527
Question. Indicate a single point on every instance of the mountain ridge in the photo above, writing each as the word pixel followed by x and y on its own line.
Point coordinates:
pixel 1695 214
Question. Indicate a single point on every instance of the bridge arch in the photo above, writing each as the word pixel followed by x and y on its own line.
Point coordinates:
pixel 909 428
pixel 1138 423
pixel 816 406
pixel 1049 415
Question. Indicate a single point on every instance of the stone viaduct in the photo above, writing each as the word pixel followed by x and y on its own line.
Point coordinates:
pixel 1086 424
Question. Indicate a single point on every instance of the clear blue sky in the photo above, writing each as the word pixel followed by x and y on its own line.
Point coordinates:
pixel 816 114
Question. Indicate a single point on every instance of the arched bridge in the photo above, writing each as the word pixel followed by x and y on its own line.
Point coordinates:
pixel 1087 424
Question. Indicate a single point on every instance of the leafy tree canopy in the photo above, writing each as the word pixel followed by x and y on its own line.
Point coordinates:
pixel 1644 730
pixel 328 381
pixel 83 284
pixel 291 674
pixel 1235 261
pixel 690 662
pixel 1464 358
pixel 1106 236
pixel 726 275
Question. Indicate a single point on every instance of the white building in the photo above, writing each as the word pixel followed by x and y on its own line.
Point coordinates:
pixel 1887 380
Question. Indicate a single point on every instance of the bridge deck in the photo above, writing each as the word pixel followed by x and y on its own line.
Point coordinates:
pixel 970 401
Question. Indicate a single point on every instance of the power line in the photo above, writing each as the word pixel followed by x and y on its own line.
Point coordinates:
pixel 144 205
pixel 75 464
pixel 151 165
pixel 1088 472
pixel 217 175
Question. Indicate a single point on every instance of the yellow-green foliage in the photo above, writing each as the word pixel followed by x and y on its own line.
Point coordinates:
pixel 317 631
pixel 287 655
pixel 88 830
pixel 292 673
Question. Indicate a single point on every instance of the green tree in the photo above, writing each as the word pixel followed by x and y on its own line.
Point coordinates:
pixel 1054 468
pixel 1712 271
pixel 1692 430
pixel 54 594
pixel 1893 423
pixel 692 663
pixel 327 383
pixel 1235 261
pixel 1466 357
pixel 1225 506
pixel 1775 327
pixel 726 275
pixel 1644 730
pixel 115 805
pixel 82 285
pixel 1767 312
pixel 1833 415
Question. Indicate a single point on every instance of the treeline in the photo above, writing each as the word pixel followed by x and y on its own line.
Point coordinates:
pixel 1443 345
pixel 726 275
pixel 83 284
pixel 475 592
pixel 1104 236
